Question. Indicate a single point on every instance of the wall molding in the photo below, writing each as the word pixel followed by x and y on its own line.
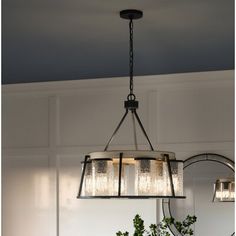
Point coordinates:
pixel 181 80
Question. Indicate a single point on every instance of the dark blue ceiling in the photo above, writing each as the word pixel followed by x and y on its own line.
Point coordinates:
pixel 48 40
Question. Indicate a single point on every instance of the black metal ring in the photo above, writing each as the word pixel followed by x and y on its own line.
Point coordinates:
pixel 131 97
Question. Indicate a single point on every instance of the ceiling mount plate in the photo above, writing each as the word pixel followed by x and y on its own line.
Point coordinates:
pixel 131 14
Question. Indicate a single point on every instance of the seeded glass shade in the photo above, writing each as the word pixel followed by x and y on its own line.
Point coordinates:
pixel 224 190
pixel 145 176
pixel 88 180
pixel 131 174
pixel 177 175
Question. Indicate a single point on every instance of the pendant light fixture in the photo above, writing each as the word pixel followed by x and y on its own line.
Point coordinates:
pixel 224 190
pixel 131 173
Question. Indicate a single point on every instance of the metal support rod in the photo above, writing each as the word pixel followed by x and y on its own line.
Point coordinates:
pixel 134 129
pixel 144 132
pixel 214 193
pixel 120 173
pixel 82 176
pixel 117 128
pixel 170 175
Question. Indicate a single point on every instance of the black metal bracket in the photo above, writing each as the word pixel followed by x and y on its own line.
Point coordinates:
pixel 120 173
pixel 116 130
pixel 131 104
pixel 167 159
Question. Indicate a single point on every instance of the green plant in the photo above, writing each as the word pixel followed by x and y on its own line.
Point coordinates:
pixel 122 234
pixel 184 227
pixel 138 226
pixel 161 229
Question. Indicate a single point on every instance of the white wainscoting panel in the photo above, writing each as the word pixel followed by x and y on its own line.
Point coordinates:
pixel 102 110
pixel 25 121
pixel 29 199
pixel 196 115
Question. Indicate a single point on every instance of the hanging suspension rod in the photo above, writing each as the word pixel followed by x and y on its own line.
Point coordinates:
pixel 142 128
pixel 117 128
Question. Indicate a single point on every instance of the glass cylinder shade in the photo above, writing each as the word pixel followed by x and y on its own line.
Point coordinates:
pixel 88 179
pixel 177 178
pixel 159 187
pixel 224 190
pixel 131 174
pixel 145 176
pixel 102 172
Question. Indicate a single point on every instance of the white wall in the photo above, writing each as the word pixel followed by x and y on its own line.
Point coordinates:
pixel 48 127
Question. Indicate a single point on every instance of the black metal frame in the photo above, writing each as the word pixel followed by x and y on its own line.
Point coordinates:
pixel 120 173
pixel 82 176
pixel 212 157
pixel 170 175
pixel 130 197
pixel 116 130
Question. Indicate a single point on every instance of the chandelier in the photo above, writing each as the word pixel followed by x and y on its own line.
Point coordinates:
pixel 131 173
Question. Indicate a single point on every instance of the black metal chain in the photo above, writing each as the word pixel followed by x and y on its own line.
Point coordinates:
pixel 131 95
